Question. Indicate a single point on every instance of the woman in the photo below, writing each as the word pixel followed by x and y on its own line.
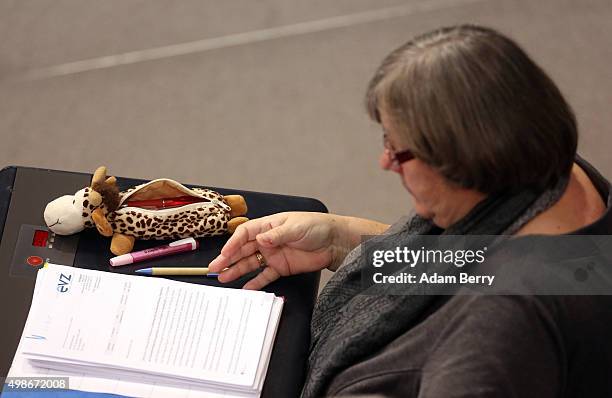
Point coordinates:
pixel 485 144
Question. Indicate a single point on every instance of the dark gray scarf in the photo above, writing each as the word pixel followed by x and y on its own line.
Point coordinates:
pixel 348 326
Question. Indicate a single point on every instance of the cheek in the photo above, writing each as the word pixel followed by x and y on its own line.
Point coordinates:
pixel 414 182
pixel 422 182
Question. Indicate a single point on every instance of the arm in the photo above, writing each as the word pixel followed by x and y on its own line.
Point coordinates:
pixel 291 243
pixel 349 233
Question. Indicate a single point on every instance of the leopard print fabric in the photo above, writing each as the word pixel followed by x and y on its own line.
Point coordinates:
pixel 88 208
pixel 195 220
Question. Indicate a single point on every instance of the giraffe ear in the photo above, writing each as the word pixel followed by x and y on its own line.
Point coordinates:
pixel 111 181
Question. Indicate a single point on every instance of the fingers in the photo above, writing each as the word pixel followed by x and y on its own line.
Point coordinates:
pixel 248 231
pixel 219 263
pixel 246 250
pixel 244 233
pixel 238 253
pixel 239 245
pixel 277 236
pixel 265 277
pixel 222 261
pixel 242 267
pixel 234 250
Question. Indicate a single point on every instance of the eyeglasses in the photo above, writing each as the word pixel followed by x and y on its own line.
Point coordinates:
pixel 396 157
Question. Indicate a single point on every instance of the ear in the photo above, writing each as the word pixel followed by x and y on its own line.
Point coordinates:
pixel 111 181
pixel 95 198
pixel 99 175
pixel 101 222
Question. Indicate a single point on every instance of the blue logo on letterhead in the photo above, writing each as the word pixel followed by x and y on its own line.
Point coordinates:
pixel 63 283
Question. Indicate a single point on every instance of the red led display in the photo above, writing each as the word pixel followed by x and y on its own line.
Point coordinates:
pixel 40 238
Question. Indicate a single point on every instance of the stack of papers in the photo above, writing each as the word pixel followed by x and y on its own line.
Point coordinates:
pixel 150 337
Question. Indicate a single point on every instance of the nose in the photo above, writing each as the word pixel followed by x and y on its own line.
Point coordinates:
pixel 386 163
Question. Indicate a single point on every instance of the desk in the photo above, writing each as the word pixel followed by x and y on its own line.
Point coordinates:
pixel 24 193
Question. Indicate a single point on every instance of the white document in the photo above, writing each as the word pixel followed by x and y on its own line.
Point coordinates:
pixel 148 336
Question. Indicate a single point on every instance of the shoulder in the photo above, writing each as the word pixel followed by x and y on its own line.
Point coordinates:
pixel 580 205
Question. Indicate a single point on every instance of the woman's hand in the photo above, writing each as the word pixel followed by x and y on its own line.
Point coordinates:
pixel 291 243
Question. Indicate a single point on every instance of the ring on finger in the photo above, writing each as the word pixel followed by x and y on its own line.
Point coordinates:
pixel 261 260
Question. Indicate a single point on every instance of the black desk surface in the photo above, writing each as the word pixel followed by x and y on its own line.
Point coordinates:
pixel 24 193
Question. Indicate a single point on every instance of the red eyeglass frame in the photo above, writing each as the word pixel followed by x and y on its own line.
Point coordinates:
pixel 396 157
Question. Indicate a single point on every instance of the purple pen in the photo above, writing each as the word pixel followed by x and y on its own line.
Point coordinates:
pixel 180 246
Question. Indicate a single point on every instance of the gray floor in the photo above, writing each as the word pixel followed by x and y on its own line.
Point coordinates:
pixel 258 95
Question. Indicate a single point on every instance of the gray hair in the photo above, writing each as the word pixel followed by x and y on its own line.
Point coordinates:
pixel 471 103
